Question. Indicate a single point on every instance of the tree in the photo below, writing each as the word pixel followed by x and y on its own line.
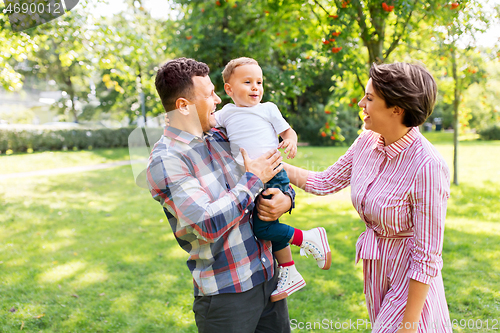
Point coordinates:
pixel 12 51
pixel 59 50
pixel 65 56
pixel 132 46
pixel 384 27
pixel 119 54
pixel 460 58
pixel 282 37
pixel 360 33
pixel 481 101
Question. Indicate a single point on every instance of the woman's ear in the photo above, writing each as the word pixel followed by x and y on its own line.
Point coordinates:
pixel 398 111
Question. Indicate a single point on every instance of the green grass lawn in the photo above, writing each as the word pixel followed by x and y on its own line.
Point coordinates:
pixel 92 252
pixel 59 159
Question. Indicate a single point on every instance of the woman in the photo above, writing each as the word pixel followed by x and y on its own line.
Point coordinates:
pixel 399 186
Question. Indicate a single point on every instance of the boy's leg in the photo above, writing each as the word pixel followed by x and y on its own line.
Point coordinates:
pixel 312 241
pixel 283 256
pixel 290 279
pixel 280 234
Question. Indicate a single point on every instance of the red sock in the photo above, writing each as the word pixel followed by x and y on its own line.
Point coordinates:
pixel 297 237
pixel 286 264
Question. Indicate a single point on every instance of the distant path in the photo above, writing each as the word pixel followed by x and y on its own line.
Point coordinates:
pixel 59 171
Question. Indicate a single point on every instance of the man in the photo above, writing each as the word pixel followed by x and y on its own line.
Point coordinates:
pixel 208 201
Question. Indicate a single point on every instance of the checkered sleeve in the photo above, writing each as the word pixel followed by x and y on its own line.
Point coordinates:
pixel 190 199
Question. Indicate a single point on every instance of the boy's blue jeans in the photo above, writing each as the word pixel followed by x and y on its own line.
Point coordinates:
pixel 274 231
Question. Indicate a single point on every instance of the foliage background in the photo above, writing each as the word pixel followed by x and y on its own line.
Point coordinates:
pixel 315 56
pixel 92 253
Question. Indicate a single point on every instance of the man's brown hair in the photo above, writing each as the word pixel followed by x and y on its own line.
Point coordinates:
pixel 175 79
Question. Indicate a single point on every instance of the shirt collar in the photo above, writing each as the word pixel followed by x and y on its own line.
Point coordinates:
pixel 397 147
pixel 182 136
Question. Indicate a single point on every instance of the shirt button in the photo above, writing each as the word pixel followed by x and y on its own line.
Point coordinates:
pixel 246 211
pixel 263 260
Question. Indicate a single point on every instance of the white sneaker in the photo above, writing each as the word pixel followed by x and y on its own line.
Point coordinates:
pixel 315 242
pixel 289 281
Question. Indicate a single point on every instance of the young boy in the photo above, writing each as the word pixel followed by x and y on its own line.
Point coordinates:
pixel 255 126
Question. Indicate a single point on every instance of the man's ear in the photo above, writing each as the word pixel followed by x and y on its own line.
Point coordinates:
pixel 181 104
pixel 227 89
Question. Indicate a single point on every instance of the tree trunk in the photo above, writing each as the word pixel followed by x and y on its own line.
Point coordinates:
pixel 456 125
pixel 72 96
pixel 73 110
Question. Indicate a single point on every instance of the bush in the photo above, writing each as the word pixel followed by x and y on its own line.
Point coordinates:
pixel 20 140
pixel 490 133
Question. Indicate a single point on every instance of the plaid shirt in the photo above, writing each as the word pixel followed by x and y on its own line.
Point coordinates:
pixel 208 200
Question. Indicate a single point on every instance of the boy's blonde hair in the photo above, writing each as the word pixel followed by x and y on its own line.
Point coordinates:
pixel 229 69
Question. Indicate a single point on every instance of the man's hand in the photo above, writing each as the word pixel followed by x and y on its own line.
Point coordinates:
pixel 290 147
pixel 265 166
pixel 271 209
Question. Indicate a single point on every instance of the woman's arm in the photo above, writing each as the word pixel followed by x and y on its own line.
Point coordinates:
pixel 333 179
pixel 417 293
pixel 429 200
pixel 297 176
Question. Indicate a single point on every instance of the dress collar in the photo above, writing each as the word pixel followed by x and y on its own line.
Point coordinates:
pixel 397 147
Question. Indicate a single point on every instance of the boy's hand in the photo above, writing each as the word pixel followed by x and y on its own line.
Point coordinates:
pixel 290 147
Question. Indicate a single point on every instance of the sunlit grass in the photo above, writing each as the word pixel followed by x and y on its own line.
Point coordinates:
pixel 92 252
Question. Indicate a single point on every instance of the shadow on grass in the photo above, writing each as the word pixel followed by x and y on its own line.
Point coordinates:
pixel 94 253
pixel 90 253
pixel 471 271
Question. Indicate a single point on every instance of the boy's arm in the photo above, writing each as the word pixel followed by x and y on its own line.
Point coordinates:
pixel 289 142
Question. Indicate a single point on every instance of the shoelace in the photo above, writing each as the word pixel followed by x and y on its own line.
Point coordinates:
pixel 281 278
pixel 310 248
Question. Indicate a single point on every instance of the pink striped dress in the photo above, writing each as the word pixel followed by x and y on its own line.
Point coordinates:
pixel 400 192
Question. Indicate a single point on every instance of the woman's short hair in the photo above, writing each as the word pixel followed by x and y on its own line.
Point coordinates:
pixel 408 86
pixel 233 64
pixel 175 79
